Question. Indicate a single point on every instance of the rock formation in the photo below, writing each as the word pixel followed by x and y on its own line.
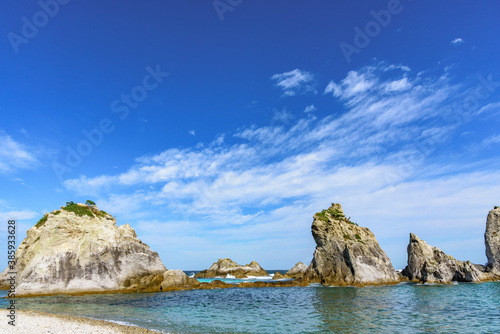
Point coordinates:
pixel 428 264
pixel 224 267
pixel 346 254
pixel 432 265
pixel 278 275
pixel 492 241
pixel 80 249
pixel 297 271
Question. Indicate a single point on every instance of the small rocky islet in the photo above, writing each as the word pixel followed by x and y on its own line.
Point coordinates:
pixel 79 249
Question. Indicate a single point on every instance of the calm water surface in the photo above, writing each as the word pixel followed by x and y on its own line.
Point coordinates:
pixel 408 308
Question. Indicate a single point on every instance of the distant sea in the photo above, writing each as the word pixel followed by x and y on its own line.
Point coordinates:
pixel 403 308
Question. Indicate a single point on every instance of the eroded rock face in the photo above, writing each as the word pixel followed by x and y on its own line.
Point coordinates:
pixel 492 241
pixel 346 254
pixel 67 253
pixel 224 267
pixel 297 271
pixel 430 264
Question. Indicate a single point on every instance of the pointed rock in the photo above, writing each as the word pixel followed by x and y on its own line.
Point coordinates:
pixel 346 254
pixel 492 241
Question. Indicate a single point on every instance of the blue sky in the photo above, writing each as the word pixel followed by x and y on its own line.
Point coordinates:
pixel 218 128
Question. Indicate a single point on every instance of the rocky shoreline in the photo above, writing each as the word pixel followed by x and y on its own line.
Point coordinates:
pixel 80 250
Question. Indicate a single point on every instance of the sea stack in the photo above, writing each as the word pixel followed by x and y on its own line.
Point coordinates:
pixel 428 264
pixel 346 254
pixel 492 241
pixel 224 267
pixel 80 249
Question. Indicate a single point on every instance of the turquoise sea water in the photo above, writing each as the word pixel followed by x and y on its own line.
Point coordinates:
pixel 404 308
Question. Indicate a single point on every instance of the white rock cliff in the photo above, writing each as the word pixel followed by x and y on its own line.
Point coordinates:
pixel 86 252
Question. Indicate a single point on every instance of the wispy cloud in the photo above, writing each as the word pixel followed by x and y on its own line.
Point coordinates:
pixel 492 109
pixel 192 132
pixel 457 41
pixel 14 155
pixel 282 116
pixel 310 108
pixel 295 82
pixel 283 172
pixel 379 131
pixel 398 85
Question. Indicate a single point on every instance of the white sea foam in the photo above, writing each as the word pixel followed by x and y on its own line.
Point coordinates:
pixel 230 276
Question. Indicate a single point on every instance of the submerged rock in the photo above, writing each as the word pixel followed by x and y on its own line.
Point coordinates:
pixel 492 241
pixel 224 267
pixel 297 271
pixel 346 254
pixel 80 249
pixel 427 264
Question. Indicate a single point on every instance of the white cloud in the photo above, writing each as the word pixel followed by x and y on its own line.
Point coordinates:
pixel 492 108
pixel 310 108
pixel 400 67
pixel 17 214
pixel 398 85
pixel 14 155
pixel 268 160
pixel 90 186
pixel 354 84
pixel 192 132
pixel 267 181
pixel 295 82
pixel 492 140
pixel 457 41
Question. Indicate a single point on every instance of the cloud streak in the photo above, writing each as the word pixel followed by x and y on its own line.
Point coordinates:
pixel 14 155
pixel 295 82
pixel 269 177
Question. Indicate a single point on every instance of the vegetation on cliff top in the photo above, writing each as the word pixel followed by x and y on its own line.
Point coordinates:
pixel 335 214
pixel 78 210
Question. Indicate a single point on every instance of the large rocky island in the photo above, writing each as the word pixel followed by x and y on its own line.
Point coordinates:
pixel 80 249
